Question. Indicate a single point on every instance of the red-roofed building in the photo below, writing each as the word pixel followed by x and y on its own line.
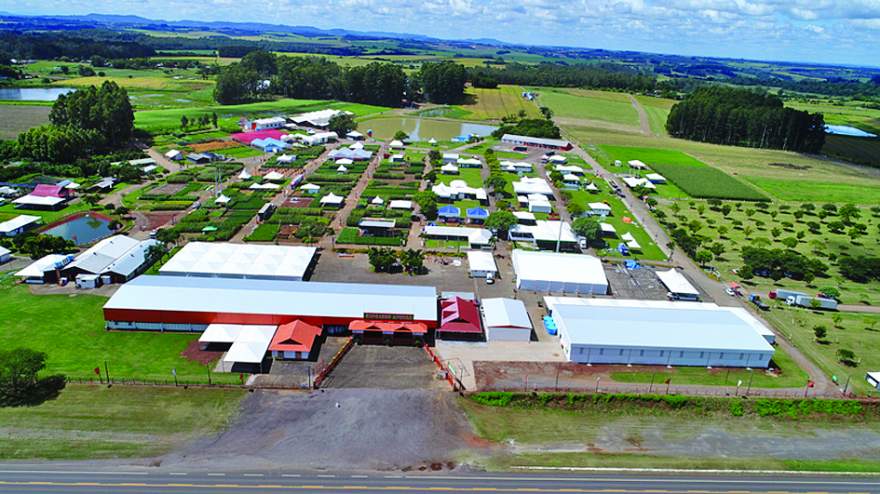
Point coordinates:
pixel 294 341
pixel 388 330
pixel 460 319
pixel 46 190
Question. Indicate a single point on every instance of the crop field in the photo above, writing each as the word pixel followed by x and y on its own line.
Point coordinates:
pixel 19 118
pixel 168 120
pixel 689 174
pixel 493 104
pixel 862 150
pixel 590 108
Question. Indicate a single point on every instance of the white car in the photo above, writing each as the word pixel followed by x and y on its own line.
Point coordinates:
pixel 729 291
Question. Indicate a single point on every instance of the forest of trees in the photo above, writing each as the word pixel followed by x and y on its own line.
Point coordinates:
pixel 75 45
pixel 376 83
pixel 742 117
pixel 556 75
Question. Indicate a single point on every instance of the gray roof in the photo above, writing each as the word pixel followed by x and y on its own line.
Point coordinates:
pixel 505 313
pixel 131 261
pixel 676 327
pixel 98 257
pixel 275 297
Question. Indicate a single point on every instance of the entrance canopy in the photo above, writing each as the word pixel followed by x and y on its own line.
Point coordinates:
pixel 361 326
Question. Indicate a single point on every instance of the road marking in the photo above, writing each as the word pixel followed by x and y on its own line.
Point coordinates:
pixel 291 475
pixel 360 476
pixel 71 472
pixel 216 475
pixel 326 476
pixel 252 475
pixel 177 473
pixel 695 480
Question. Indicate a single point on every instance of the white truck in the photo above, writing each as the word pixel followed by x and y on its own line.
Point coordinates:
pixel 812 302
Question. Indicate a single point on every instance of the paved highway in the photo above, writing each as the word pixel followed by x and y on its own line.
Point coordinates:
pixel 154 481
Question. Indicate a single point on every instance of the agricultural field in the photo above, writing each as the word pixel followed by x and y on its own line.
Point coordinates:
pixel 77 342
pixel 590 108
pixel 748 224
pixel 852 113
pixel 862 150
pixel 494 104
pixel 687 173
pixel 19 118
pixel 96 422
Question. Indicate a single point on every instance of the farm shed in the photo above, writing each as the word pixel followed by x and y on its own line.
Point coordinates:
pixel 481 264
pixel 602 331
pixel 18 225
pixel 179 303
pixel 119 256
pixel 5 255
pixel 45 269
pixel 506 319
pixel 544 234
pixel 243 261
pixel 554 272
pixel 678 286
pixel 477 238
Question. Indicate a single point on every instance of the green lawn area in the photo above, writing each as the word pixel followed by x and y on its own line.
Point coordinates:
pixel 657 110
pixel 433 243
pixel 807 190
pixel 789 376
pixel 649 251
pixel 70 329
pixel 685 172
pixel 242 152
pixel 590 106
pixel 472 176
pixel 93 422
pixel 47 216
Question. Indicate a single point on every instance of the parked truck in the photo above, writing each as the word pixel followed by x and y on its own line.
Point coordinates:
pixel 783 294
pixel 812 302
pixel 756 299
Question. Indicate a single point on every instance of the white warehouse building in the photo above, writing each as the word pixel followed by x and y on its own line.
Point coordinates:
pixel 555 272
pixel 638 332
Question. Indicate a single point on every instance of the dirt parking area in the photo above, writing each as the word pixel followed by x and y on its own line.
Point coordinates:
pixel 386 367
pixel 463 358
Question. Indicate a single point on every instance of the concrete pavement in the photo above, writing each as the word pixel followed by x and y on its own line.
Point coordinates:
pixel 45 479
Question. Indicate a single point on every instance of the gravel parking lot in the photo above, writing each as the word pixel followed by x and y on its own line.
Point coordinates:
pixel 386 367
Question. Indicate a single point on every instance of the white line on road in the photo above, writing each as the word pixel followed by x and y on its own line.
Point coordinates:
pixel 252 475
pixel 291 475
pixel 177 473
pixel 216 474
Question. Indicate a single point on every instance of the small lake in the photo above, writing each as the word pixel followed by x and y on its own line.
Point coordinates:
pixel 423 129
pixel 33 93
pixel 83 229
pixel 846 130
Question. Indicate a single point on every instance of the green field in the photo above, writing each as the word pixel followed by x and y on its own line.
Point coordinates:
pixel 494 104
pixel 689 174
pixel 70 329
pixel 168 120
pixel 852 113
pixel 862 150
pixel 425 127
pixel 808 190
pixel 590 108
pixel 657 110
pixel 94 422
pixel 19 118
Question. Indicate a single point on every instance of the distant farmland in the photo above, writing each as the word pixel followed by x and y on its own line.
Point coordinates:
pixel 688 173
pixel 495 104
pixel 15 119
pixel 862 150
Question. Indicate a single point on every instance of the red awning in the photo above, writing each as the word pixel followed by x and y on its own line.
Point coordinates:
pixel 295 336
pixel 388 326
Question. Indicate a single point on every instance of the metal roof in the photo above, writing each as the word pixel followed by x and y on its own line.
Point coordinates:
pixel 18 222
pixel 480 260
pixel 103 254
pixel 274 297
pixel 675 282
pixel 535 140
pixel 128 263
pixel 590 322
pixel 48 263
pixel 240 261
pixel 505 313
pixel 556 267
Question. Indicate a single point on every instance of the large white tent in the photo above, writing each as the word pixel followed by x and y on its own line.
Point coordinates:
pixel 505 319
pixel 679 287
pixel 481 264
pixel 555 272
pixel 226 260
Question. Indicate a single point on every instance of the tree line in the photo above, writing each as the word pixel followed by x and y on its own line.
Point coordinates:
pixel 80 45
pixel 261 74
pixel 741 117
pixel 591 76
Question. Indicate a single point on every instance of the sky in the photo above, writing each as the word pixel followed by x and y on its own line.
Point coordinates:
pixel 821 31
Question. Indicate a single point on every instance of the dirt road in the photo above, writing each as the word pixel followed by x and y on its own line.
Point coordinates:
pixel 644 123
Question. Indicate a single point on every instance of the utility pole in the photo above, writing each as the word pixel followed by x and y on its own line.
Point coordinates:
pixel 107 371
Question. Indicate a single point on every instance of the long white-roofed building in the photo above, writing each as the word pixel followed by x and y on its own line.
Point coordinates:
pixel 638 332
pixel 177 303
pixel 679 287
pixel 555 272
pixel 246 261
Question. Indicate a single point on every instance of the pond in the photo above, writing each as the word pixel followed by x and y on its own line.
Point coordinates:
pixel 82 229
pixel 846 130
pixel 423 129
pixel 33 93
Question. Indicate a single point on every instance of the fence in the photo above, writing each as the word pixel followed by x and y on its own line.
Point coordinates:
pixel 453 381
pixel 153 382
pixel 327 369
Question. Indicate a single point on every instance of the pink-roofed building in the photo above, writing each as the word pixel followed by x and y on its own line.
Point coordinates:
pixel 248 137
pixel 46 190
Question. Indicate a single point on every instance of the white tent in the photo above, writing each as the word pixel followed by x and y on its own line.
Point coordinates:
pixel 356 146
pixel 449 169
pixel 310 188
pixel 344 161
pixel 244 175
pixel 286 158
pixel 222 199
pixel 341 169
pixel 331 199
pixel 400 204
pixel 377 201
pixel 274 176
pixel 554 272
pixel 396 144
pixel 266 186
pixel 432 141
pixel 250 345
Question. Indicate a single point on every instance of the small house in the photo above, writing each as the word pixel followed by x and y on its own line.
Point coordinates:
pixel 355 135
pixel 538 203
pixel 469 163
pixel 397 158
pixel 450 157
pixel 449 213
pixel 449 169
pixel 598 209
pixel 477 215
pixel 174 155
pixel 310 188
pixel 294 341
pixel 396 144
pixel 571 181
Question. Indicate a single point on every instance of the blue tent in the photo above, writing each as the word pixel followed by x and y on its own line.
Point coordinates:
pixel 623 249
pixel 632 264
pixel 477 213
pixel 449 212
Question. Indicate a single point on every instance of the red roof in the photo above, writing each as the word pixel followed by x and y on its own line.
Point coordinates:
pixel 458 315
pixel 45 190
pixel 295 336
pixel 388 326
pixel 248 137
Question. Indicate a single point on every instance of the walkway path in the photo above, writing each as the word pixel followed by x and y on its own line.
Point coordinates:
pixel 644 123
pixel 340 219
pixel 714 288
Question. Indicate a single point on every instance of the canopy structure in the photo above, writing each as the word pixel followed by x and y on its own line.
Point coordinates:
pixel 387 327
pixel 377 201
pixel 251 345
pixel 222 199
pixel 331 199
pixel 244 175
pixel 477 213
pixel 678 285
pixel 273 176
pixel 449 212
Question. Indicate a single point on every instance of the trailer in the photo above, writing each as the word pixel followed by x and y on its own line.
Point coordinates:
pixel 782 294
pixel 809 302
pixel 756 299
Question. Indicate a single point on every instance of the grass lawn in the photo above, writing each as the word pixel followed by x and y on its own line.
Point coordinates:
pixel 70 329
pixel 242 152
pixel 494 104
pixel 657 110
pixel 472 176
pixel 808 190
pixel 433 243
pixel 790 375
pixel 93 422
pixel 685 172
pixel 619 211
pixel 590 107
pixel 47 216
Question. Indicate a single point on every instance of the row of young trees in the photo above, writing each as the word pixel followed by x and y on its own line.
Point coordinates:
pixel 260 74
pixel 742 117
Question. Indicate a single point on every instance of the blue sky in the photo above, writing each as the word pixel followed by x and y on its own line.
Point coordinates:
pixel 829 31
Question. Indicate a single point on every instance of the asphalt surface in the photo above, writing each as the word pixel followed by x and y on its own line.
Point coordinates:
pixel 135 481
